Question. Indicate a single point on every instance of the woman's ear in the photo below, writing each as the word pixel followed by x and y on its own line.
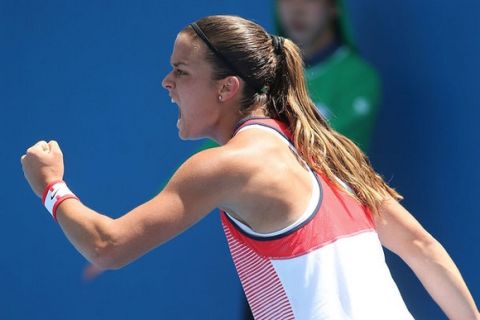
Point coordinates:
pixel 229 88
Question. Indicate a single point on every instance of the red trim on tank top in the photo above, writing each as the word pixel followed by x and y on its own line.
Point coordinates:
pixel 339 216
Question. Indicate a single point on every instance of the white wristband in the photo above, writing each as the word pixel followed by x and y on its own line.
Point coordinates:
pixel 54 194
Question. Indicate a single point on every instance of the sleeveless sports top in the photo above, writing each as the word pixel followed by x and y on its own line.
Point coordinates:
pixel 329 264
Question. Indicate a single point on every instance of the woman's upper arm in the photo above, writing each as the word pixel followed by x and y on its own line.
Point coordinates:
pixel 398 230
pixel 193 192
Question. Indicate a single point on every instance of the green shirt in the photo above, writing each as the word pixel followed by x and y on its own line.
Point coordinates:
pixel 346 91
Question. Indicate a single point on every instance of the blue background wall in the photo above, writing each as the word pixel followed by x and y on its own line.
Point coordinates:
pixel 88 74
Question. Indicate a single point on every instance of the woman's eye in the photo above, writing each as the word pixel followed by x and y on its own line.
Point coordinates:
pixel 179 72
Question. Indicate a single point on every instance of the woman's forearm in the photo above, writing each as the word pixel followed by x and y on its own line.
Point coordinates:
pixel 442 279
pixel 91 233
pixel 401 233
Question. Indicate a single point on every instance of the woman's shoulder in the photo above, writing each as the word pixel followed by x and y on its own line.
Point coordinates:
pixel 245 154
pixel 221 162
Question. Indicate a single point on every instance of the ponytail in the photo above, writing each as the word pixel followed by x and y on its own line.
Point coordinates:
pixel 324 149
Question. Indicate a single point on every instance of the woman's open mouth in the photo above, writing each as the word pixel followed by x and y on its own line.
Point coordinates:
pixel 179 111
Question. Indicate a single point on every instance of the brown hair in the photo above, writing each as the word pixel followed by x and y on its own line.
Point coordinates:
pixel 251 49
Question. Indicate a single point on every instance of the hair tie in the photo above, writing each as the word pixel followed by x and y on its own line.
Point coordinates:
pixel 277 42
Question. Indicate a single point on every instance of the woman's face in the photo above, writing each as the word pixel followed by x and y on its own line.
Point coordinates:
pixel 305 20
pixel 191 87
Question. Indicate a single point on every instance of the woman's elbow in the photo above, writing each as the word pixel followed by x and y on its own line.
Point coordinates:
pixel 106 254
pixel 424 242
pixel 105 260
pixel 422 246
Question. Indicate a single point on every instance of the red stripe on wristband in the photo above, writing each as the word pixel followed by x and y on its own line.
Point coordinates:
pixel 59 201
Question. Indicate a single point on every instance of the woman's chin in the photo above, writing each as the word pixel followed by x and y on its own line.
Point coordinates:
pixel 185 134
pixel 182 133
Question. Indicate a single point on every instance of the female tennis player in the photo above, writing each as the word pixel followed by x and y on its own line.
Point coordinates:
pixel 304 213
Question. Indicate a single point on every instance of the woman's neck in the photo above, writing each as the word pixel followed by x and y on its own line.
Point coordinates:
pixel 226 131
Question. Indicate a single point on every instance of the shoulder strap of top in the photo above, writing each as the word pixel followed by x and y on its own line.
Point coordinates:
pixel 274 124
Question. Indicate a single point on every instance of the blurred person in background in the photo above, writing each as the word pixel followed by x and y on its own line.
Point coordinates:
pixel 342 85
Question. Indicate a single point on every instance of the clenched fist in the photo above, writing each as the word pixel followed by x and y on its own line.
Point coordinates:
pixel 42 164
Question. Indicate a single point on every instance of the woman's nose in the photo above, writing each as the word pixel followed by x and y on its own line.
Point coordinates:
pixel 167 83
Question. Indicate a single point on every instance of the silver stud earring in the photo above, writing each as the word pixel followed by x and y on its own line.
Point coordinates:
pixel 220 98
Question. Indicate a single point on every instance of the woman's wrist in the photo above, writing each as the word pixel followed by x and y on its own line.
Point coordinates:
pixel 54 194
